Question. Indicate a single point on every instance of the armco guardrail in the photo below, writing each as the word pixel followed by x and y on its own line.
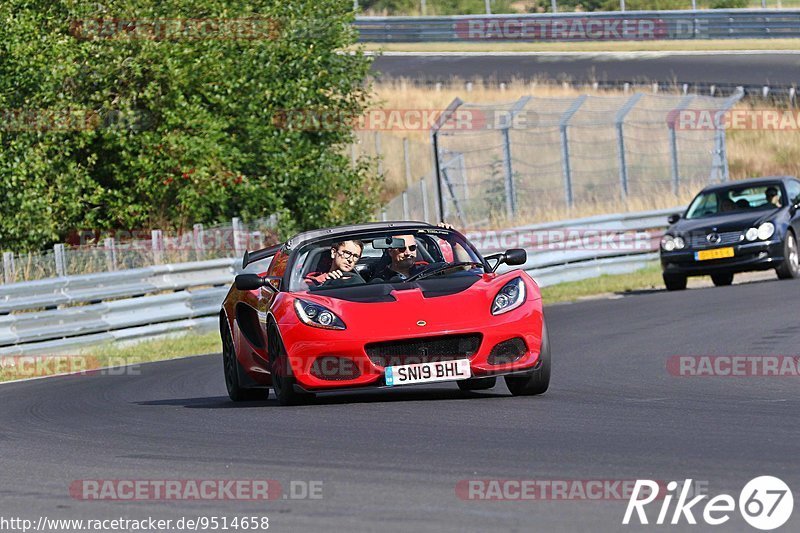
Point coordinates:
pixel 72 312
pixel 596 26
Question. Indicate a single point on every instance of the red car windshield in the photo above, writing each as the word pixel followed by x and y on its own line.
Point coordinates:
pixel 362 258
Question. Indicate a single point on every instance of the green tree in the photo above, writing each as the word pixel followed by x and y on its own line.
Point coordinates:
pixel 145 113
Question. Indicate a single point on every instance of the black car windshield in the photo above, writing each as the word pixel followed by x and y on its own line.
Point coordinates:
pixel 736 200
pixel 382 257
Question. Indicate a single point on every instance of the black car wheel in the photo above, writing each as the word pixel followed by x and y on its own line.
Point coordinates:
pixel 535 382
pixel 476 384
pixel 230 366
pixel 721 280
pixel 674 282
pixel 282 380
pixel 790 268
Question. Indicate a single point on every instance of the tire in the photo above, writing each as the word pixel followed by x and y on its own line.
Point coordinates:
pixel 282 380
pixel 790 269
pixel 476 384
pixel 537 381
pixel 231 369
pixel 722 280
pixel 674 282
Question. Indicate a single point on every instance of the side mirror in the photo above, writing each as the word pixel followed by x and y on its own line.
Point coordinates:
pixel 515 256
pixel 251 282
pixel 673 218
pixel 512 257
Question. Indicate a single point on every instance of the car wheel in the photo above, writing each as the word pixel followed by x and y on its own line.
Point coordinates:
pixel 535 382
pixel 674 282
pixel 476 384
pixel 282 380
pixel 790 268
pixel 231 368
pixel 721 280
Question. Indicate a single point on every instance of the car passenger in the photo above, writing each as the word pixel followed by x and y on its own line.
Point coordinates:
pixel 772 196
pixel 404 262
pixel 344 256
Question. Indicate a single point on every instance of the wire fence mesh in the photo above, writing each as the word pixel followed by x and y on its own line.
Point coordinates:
pixel 91 252
pixel 537 159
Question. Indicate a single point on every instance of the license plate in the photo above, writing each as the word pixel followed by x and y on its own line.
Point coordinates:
pixel 719 253
pixel 428 372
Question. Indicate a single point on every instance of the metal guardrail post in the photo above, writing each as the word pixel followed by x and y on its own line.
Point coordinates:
pixel 9 274
pixel 673 142
pixel 565 165
pixel 157 244
pixel 406 215
pixel 110 247
pixel 61 260
pixel 623 164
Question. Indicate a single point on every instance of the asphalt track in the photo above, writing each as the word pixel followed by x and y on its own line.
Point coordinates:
pixel 748 68
pixel 390 461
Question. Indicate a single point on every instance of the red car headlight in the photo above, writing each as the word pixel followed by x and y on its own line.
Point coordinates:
pixel 510 297
pixel 317 315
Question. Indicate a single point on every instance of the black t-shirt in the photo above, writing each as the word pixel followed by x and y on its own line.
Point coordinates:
pixel 387 274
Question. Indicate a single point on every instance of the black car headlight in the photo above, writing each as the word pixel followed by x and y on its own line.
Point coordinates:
pixel 670 243
pixel 317 315
pixel 763 232
pixel 510 297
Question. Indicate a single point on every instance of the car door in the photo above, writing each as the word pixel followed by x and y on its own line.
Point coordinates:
pixel 793 193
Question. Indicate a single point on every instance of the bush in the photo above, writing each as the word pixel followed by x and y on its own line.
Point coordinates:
pixel 110 130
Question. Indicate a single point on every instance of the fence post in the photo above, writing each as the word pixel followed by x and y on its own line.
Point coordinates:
pixel 565 165
pixel 199 238
pixel 719 166
pixel 353 157
pixel 554 5
pixel 424 191
pixel 444 117
pixel 110 247
pixel 673 142
pixel 379 152
pixel 60 257
pixel 406 215
pixel 623 164
pixel 9 273
pixel 511 204
pixel 238 248
pixel 157 243
pixel 383 215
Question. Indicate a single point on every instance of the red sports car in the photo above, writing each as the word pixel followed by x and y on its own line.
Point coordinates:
pixel 381 305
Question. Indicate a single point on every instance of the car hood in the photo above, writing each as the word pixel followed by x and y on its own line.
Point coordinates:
pixel 441 304
pixel 726 222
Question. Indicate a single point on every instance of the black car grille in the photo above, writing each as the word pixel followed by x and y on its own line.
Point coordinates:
pixel 423 349
pixel 699 239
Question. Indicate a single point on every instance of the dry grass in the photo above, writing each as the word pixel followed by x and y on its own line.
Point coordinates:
pixel 750 152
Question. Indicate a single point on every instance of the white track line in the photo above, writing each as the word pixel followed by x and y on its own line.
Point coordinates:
pixel 620 55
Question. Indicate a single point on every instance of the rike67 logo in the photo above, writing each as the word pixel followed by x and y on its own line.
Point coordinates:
pixel 765 503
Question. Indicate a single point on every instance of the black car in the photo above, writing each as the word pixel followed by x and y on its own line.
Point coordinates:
pixel 735 227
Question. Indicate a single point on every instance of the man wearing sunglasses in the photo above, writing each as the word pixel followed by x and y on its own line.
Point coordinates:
pixel 404 261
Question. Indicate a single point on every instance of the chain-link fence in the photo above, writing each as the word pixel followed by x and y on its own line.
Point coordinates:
pixel 540 159
pixel 90 252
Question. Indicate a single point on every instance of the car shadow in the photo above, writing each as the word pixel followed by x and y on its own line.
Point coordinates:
pixel 332 398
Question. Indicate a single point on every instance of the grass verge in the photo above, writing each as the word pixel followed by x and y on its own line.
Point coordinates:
pixel 91 359
pixel 604 46
pixel 646 278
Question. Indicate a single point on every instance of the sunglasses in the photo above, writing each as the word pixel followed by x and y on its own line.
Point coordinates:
pixel 411 248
